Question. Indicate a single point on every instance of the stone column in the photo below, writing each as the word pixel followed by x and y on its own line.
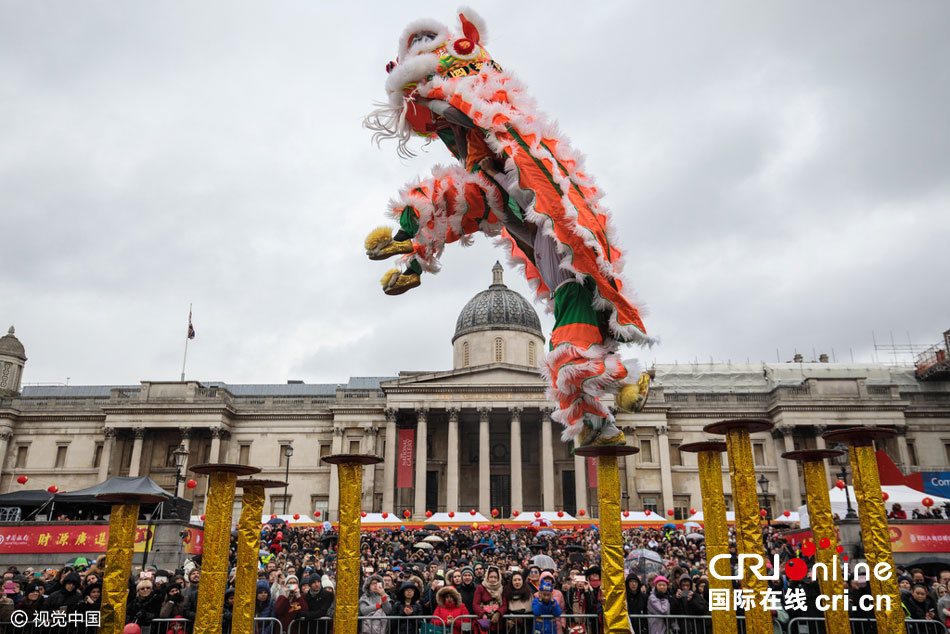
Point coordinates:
pixel 215 455
pixel 630 466
pixel 666 476
pixel 136 463
pixel 105 460
pixel 580 483
pixel 820 444
pixel 517 501
pixel 389 462
pixel 369 471
pixel 902 452
pixel 452 463
pixel 422 461
pixel 547 462
pixel 333 504
pixel 5 437
pixel 484 462
pixel 794 486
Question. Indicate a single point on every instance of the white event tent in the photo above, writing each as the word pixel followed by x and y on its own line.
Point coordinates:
pixel 909 499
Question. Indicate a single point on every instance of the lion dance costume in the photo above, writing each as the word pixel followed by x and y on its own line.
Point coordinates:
pixel 518 181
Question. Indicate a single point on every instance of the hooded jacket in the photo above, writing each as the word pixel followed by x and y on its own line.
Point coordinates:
pixel 443 613
pixel 636 603
pixel 264 609
pixel 374 604
pixel 65 599
pixel 407 626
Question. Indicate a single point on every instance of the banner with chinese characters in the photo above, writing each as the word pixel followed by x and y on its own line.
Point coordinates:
pixel 404 459
pixel 591 472
pixel 59 538
pixel 193 539
pixel 919 538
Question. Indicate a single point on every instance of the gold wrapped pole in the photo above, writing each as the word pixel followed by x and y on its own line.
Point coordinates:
pixel 217 542
pixel 350 478
pixel 746 500
pixel 115 581
pixel 823 527
pixel 716 528
pixel 248 546
pixel 873 517
pixel 611 535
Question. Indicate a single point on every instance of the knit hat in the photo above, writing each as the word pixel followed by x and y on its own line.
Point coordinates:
pixel 326 582
pixel 547 586
pixel 659 579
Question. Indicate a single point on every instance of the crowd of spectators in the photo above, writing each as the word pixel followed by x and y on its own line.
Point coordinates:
pixel 459 576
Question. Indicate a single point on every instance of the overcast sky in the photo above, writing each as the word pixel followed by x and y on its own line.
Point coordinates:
pixel 779 174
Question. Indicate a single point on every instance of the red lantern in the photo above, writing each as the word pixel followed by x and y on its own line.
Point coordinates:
pixel 279 536
pixel 472 512
pixel 273 517
pixel 581 513
pixel 362 513
pixel 53 488
pixel 474 526
pixel 22 479
pixel 884 495
pixel 515 513
pixel 537 514
pixel 297 515
pixel 494 512
pixel 202 518
pixel 787 513
pixel 647 512
pixel 560 513
pixel 451 514
pixel 626 513
pixel 428 514
pixel 385 515
pixel 316 514
pixel 840 484
pixel 406 513
pixel 928 502
pixel 670 512
pixel 763 512
pixel 191 484
pixel 692 511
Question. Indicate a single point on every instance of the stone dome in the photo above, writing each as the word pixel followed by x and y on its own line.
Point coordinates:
pixel 11 346
pixel 497 308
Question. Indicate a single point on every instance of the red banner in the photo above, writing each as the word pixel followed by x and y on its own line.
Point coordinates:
pixel 920 538
pixel 193 539
pixel 78 538
pixel 592 471
pixel 404 459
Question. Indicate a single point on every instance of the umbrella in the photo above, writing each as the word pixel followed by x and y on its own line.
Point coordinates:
pixel 669 525
pixel 643 562
pixel 543 562
pixel 431 527
pixel 541 521
pixel 78 561
pixel 574 548
pixel 275 520
pixel 433 539
pixel 424 546
pixel 481 545
pixel 547 532
pixel 696 537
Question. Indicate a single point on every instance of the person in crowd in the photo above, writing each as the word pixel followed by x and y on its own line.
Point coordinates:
pixel 545 609
pixel 316 605
pixel 449 609
pixel 534 579
pixel 897 513
pixel 191 593
pixel 375 603
pixel 145 606
pixel 174 603
pixel 32 601
pixel 697 606
pixel 636 603
pixel 467 589
pixel 227 614
pixel 264 608
pixel 488 602
pixel 659 603
pixel 518 598
pixel 407 604
pixel 68 597
pixel 918 605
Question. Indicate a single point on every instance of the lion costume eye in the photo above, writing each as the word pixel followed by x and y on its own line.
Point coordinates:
pixel 464 48
pixel 422 36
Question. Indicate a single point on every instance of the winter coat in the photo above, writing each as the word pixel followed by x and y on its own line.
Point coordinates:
pixel 143 610
pixel 377 605
pixel 636 604
pixel 659 604
pixel 468 596
pixel 63 599
pixel 264 609
pixel 482 599
pixel 173 606
pixel 407 626
pixel 545 609
pixel 444 613
pixel 227 612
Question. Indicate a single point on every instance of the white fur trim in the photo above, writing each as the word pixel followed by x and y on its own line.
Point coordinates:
pixel 417 26
pixel 414 69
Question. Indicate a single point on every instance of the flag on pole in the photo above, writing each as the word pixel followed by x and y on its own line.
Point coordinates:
pixel 191 328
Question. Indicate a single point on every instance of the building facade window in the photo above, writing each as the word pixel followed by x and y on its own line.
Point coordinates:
pixel 466 354
pixel 912 452
pixel 21 455
pixel 758 453
pixel 354 446
pixel 319 503
pixel 97 456
pixel 532 359
pixel 676 459
pixel 681 507
pixel 61 456
pixel 324 450
pixel 646 451
pixel 244 454
pixel 277 504
pixel 499 349
pixel 649 503
pixel 282 459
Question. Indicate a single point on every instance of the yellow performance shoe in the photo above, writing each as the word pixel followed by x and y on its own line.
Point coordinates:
pixel 379 244
pixel 396 283
pixel 632 397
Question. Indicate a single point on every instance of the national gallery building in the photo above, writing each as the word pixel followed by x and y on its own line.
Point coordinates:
pixel 477 436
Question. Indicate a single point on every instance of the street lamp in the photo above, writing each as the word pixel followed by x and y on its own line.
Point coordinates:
pixel 181 458
pixel 763 483
pixel 625 496
pixel 288 452
pixel 842 461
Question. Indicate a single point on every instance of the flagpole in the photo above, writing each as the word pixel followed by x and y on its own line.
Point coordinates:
pixel 185 359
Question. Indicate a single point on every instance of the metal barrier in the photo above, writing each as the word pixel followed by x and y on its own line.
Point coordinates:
pixel 678 623
pixel 323 625
pixel 262 625
pixel 816 625
pixel 401 624
pixel 524 623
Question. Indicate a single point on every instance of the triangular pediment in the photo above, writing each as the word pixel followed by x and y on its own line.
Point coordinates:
pixel 493 374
